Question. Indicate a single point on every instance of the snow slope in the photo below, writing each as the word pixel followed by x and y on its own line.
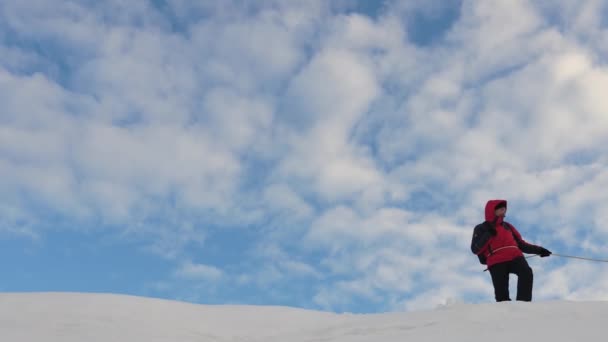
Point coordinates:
pixel 71 317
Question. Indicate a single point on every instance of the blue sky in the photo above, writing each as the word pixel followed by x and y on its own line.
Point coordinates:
pixel 325 155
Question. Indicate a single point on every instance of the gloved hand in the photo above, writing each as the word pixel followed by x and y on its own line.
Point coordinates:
pixel 543 252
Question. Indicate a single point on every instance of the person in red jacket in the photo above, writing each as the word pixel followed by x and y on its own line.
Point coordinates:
pixel 499 245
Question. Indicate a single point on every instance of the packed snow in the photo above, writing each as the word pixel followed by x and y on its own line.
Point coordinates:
pixel 72 317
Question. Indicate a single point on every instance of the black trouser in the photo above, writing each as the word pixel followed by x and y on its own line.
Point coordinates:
pixel 500 279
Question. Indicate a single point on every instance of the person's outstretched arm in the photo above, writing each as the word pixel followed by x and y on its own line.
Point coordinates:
pixel 528 247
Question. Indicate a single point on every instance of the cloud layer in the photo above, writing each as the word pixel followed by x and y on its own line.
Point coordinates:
pixel 306 147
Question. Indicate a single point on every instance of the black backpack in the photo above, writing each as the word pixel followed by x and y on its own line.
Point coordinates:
pixel 480 238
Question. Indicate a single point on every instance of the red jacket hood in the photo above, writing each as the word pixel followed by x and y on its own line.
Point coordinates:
pixel 490 208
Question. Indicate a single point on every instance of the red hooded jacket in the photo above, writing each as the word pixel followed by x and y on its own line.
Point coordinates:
pixel 507 244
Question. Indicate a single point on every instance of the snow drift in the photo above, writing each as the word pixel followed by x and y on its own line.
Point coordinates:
pixel 70 317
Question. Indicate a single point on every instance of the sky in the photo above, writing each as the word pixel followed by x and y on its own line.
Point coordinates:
pixel 75 317
pixel 327 155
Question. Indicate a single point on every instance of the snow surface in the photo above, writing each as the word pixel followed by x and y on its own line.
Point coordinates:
pixel 66 317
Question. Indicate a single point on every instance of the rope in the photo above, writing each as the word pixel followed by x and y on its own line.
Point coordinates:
pixel 566 256
pixel 577 257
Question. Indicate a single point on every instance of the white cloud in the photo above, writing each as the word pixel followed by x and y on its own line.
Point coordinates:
pixel 15 221
pixel 333 92
pixel 283 198
pixel 333 133
pixel 294 268
pixel 575 280
pixel 530 123
pixel 238 121
pixel 194 271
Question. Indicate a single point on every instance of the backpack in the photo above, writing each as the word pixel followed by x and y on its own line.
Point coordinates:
pixel 481 235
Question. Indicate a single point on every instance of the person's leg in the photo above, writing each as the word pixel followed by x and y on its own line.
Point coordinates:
pixel 525 278
pixel 500 280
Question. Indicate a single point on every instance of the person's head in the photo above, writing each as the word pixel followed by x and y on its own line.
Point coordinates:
pixel 495 208
pixel 500 209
